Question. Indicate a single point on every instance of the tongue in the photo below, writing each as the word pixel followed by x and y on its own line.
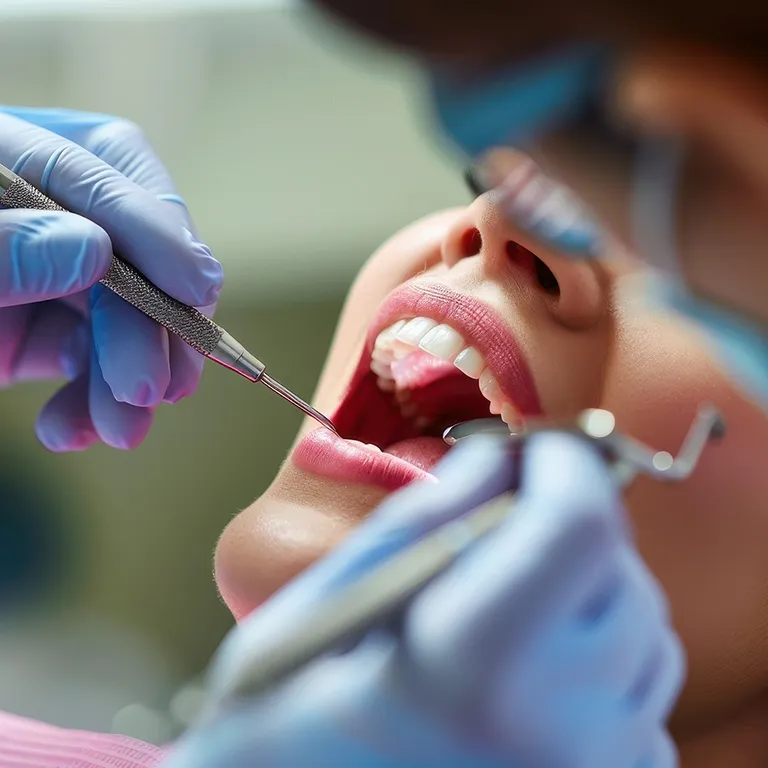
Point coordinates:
pixel 420 369
pixel 440 392
pixel 423 452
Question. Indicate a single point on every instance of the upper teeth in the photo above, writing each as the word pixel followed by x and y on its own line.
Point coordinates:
pixel 445 343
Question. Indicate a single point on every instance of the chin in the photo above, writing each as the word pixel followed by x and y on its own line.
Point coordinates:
pixel 299 520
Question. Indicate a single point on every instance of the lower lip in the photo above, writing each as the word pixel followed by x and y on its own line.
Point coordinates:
pixel 325 454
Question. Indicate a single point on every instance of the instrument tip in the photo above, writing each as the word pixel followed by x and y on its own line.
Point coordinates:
pixel 296 401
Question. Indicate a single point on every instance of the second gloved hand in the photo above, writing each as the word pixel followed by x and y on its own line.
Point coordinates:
pixel 53 323
pixel 548 644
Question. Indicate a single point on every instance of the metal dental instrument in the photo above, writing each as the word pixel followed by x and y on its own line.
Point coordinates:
pixel 627 457
pixel 457 432
pixel 191 326
pixel 380 594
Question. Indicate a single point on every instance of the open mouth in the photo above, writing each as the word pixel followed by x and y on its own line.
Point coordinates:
pixel 433 358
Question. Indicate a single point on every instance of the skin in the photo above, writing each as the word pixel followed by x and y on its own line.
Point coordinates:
pixel 596 344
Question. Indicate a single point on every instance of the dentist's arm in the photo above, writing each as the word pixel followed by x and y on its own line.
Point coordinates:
pixel 55 321
pixel 549 644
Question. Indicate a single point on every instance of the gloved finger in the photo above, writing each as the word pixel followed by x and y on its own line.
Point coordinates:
pixel 557 545
pixel 608 652
pixel 138 224
pixel 122 145
pixel 64 423
pixel 78 302
pixel 186 370
pixel 117 424
pixel 661 751
pixel 587 677
pixel 131 348
pixel 48 254
pixel 615 739
pixel 468 476
pixel 339 711
pixel 657 687
pixel 54 345
pixel 186 366
pixel 117 142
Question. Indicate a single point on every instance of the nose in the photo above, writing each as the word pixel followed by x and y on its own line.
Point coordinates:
pixel 572 291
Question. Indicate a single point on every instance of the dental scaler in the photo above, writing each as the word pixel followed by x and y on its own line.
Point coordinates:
pixel 381 594
pixel 191 326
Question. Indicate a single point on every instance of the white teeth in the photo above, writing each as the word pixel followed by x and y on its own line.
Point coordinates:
pixel 400 349
pixel 470 362
pixel 445 343
pixel 381 369
pixel 442 342
pixel 384 340
pixel 489 386
pixel 382 355
pixel 414 330
pixel 510 415
pixel 391 332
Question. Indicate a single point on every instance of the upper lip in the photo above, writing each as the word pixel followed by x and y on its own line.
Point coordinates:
pixel 480 326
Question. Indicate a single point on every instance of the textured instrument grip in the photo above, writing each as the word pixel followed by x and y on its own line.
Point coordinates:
pixel 126 281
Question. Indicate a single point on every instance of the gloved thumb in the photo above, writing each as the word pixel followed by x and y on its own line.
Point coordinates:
pixel 49 254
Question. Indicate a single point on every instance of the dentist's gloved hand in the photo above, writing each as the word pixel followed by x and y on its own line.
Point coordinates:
pixel 548 644
pixel 53 323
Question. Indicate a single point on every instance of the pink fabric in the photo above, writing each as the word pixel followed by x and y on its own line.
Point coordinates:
pixel 29 744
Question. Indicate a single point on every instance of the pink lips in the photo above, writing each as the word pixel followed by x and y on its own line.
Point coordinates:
pixel 327 455
pixel 323 453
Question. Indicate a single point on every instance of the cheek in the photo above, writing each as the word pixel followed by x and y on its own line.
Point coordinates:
pixel 703 538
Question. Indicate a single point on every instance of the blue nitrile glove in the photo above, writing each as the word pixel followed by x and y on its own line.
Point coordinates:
pixel 548 644
pixel 53 323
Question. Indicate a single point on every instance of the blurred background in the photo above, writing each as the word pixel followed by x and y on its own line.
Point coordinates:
pixel 298 151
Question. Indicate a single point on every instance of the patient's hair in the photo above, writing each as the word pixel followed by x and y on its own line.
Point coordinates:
pixel 496 28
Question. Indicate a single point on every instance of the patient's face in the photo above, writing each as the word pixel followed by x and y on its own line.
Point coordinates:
pixel 545 335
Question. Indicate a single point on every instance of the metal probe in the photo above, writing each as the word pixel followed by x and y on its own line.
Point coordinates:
pixel 191 326
pixel 380 595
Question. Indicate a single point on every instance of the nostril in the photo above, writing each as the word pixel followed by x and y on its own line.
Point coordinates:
pixel 546 277
pixel 471 243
